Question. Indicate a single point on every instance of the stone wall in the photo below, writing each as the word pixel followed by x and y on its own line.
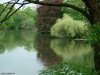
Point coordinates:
pixel 47 16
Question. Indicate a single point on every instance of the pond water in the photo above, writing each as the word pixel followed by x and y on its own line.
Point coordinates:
pixel 26 52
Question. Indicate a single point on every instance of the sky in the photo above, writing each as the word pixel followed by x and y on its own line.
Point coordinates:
pixel 33 6
pixel 3 1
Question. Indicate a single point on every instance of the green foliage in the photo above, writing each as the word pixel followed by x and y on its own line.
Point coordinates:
pixel 12 39
pixel 68 27
pixel 9 22
pixel 73 13
pixel 28 24
pixel 94 36
pixel 67 69
pixel 75 2
pixel 25 16
pixel 1 7
pixel 76 56
pixel 31 13
pixel 74 52
pixel 25 19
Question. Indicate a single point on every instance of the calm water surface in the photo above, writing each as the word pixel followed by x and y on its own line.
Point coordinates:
pixel 26 52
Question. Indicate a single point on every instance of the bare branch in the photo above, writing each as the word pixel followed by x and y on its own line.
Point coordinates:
pixel 4 9
pixel 18 3
pixel 10 15
pixel 11 9
pixel 7 15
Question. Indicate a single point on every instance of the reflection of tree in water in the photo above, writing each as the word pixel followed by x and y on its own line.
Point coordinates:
pixel 45 53
pixel 12 39
pixel 77 53
pixel 2 49
pixel 80 58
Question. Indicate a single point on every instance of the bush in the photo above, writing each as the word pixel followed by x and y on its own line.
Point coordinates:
pixel 67 69
pixel 28 24
pixel 94 36
pixel 68 27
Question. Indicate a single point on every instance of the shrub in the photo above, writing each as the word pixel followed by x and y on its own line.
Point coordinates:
pixel 68 27
pixel 28 24
pixel 67 69
pixel 94 36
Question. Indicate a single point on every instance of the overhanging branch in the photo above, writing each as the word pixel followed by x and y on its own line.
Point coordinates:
pixel 46 4
pixel 62 5
pixel 4 9
pixel 18 3
pixel 8 15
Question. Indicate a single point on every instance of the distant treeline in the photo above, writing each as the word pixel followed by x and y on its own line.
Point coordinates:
pixel 23 19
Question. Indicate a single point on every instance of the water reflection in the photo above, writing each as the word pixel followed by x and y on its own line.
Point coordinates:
pixel 77 54
pixel 31 52
pixel 74 52
pixel 45 53
pixel 18 54
pixel 12 39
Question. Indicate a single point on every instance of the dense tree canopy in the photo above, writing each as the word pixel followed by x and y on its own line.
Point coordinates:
pixel 89 8
pixel 23 19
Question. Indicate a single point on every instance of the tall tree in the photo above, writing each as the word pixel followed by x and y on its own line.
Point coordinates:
pixel 93 9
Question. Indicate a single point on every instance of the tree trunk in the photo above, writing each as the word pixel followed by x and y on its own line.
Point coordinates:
pixel 94 15
pixel 93 10
pixel 97 57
